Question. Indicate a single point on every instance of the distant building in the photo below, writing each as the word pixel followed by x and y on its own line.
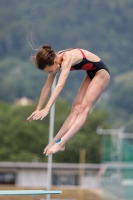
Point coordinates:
pixel 24 101
pixel 63 174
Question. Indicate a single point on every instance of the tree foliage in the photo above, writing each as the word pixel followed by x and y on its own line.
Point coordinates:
pixel 120 103
pixel 24 141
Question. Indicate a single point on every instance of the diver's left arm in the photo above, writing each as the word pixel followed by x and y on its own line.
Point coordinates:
pixel 66 65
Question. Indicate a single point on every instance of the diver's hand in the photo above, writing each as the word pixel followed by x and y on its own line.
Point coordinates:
pixel 41 114
pixel 30 118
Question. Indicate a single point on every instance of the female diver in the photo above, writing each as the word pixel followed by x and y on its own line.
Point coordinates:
pixel 96 80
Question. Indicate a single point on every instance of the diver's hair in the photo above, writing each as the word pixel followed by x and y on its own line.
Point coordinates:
pixel 44 56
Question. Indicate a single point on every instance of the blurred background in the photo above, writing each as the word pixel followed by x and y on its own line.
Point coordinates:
pixel 103 27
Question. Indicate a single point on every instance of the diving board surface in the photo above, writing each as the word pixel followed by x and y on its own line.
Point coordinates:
pixel 28 192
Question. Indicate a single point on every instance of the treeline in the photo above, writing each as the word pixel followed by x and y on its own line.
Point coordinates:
pixel 21 140
pixel 103 27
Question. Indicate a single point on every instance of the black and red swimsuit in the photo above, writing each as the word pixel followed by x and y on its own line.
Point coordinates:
pixel 90 67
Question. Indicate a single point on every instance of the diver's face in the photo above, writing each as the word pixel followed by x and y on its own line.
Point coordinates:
pixel 52 69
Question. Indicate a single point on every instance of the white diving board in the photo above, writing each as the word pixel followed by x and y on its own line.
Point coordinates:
pixel 28 192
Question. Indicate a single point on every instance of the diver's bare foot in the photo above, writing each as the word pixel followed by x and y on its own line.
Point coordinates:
pixel 55 148
pixel 49 146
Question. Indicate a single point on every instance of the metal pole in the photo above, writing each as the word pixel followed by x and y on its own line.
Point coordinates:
pixel 51 132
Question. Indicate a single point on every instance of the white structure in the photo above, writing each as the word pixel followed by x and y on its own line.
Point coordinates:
pixel 35 174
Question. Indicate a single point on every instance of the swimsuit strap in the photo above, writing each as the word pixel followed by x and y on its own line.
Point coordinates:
pixel 65 51
pixel 71 49
pixel 82 53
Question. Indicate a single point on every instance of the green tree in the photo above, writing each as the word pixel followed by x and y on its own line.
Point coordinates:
pixel 24 141
pixel 120 103
pixel 19 139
